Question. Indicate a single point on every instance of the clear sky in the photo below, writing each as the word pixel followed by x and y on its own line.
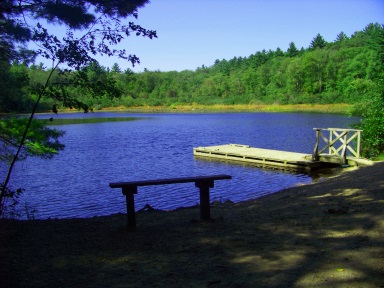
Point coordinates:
pixel 192 33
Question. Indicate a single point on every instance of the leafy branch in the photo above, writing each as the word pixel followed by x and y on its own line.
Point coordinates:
pixel 100 17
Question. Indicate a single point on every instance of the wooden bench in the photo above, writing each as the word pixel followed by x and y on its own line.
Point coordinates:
pixel 202 182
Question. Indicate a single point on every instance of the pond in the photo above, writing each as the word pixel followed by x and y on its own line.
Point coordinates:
pixel 76 182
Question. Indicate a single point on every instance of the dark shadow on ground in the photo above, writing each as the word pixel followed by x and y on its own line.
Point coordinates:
pixel 328 234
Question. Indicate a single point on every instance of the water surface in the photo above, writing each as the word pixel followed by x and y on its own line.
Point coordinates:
pixel 75 183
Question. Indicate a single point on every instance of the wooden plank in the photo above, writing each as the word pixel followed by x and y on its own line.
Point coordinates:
pixel 268 157
pixel 246 153
pixel 169 181
pixel 204 183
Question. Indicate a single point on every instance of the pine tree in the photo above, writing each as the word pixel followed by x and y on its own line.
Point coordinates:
pixel 318 42
pixel 341 37
pixel 292 50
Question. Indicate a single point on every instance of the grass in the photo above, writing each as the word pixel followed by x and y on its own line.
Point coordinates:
pixel 196 108
pixel 379 158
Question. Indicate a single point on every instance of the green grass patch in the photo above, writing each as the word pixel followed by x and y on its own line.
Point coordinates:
pixel 195 108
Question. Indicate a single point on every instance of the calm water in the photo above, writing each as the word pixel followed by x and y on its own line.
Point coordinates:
pixel 75 183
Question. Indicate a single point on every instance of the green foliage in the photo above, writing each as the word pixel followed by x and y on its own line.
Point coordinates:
pixel 99 17
pixel 373 127
pixel 336 72
pixel 292 50
pixel 14 80
pixel 100 22
pixel 41 140
pixel 341 37
pixel 12 196
pixel 318 42
pixel 371 87
pixel 344 71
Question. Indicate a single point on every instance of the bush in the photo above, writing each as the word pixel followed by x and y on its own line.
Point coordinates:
pixel 373 127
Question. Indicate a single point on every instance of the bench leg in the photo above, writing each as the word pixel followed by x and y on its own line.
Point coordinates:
pixel 130 201
pixel 205 206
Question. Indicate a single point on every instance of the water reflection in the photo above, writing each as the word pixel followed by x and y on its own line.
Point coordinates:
pixel 71 121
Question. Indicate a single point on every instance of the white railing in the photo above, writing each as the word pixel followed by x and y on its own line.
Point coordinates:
pixel 338 142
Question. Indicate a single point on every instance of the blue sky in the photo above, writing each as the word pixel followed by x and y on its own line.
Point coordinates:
pixel 192 33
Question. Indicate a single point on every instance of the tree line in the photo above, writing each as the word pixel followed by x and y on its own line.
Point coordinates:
pixel 343 71
pixel 348 70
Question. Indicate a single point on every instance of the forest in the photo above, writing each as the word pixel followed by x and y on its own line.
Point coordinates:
pixel 346 70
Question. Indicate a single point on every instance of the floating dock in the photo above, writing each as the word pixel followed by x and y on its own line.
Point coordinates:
pixel 276 158
pixel 267 157
pixel 343 146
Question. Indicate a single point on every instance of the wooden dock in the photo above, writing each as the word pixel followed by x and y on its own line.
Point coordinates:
pixel 284 159
pixel 343 146
pixel 267 157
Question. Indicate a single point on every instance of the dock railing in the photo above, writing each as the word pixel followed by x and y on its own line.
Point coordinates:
pixel 339 142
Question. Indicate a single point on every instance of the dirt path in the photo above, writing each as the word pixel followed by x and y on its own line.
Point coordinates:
pixel 327 234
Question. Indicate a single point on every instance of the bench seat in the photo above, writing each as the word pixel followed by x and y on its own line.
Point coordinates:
pixel 202 182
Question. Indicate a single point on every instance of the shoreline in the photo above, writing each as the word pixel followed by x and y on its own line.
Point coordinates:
pixel 325 234
pixel 320 177
pixel 342 109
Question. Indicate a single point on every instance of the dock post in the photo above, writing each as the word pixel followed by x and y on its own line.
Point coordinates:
pixel 358 144
pixel 315 155
pixel 344 155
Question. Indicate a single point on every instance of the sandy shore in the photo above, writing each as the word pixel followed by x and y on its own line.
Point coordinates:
pixel 326 234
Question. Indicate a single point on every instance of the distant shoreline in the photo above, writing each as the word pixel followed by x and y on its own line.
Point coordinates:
pixel 343 109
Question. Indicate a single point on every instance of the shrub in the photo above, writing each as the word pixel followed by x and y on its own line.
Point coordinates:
pixel 373 127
